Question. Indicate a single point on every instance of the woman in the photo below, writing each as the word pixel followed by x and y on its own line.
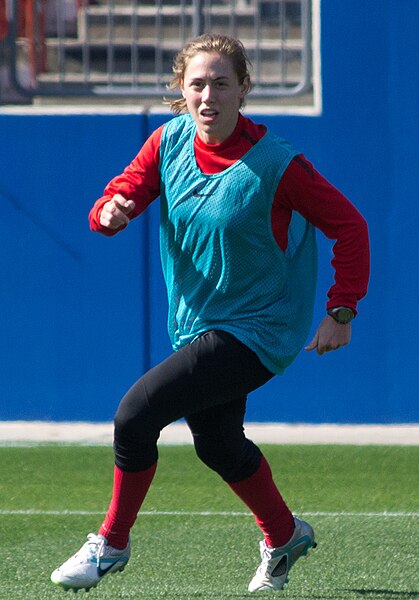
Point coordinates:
pixel 238 212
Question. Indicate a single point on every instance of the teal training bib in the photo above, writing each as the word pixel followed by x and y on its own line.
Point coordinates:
pixel 222 266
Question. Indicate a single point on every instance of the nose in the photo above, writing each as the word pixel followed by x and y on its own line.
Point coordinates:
pixel 207 94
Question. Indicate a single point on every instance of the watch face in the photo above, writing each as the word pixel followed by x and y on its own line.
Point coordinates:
pixel 344 315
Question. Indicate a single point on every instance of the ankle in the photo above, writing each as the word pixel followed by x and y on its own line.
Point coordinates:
pixel 114 539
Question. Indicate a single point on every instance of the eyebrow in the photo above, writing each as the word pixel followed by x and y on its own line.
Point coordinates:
pixel 222 77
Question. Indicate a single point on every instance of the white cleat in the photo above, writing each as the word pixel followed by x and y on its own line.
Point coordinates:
pixel 272 573
pixel 90 564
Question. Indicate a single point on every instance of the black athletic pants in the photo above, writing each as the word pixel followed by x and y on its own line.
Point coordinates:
pixel 205 382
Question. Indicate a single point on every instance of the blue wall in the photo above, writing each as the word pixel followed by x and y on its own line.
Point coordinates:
pixel 82 316
pixel 72 304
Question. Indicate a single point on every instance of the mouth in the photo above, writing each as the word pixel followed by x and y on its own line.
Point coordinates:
pixel 208 113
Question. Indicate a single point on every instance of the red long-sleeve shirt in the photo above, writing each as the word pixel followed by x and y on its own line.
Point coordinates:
pixel 301 188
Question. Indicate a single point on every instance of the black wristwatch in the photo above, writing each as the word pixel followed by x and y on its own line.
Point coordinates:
pixel 341 314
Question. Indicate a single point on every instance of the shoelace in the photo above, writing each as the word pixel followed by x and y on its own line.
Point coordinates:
pixel 266 556
pixel 95 547
pixel 267 553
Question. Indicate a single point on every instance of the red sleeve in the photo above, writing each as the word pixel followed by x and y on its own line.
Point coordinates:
pixel 303 189
pixel 140 182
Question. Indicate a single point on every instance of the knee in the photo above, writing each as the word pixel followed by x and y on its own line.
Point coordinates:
pixel 232 461
pixel 132 450
pixel 125 423
pixel 133 418
pixel 135 438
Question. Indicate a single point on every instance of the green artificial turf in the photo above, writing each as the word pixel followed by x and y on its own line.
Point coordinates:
pixel 195 540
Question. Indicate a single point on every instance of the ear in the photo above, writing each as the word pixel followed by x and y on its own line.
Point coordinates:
pixel 182 89
pixel 245 87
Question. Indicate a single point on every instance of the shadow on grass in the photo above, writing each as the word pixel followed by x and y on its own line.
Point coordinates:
pixel 390 594
pixel 245 595
pixel 363 593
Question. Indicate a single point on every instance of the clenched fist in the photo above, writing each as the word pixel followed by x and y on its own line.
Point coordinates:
pixel 115 212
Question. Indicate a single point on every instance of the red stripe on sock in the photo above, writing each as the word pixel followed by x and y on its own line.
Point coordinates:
pixel 271 513
pixel 129 491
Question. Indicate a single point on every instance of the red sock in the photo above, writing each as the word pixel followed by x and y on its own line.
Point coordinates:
pixel 261 495
pixel 129 491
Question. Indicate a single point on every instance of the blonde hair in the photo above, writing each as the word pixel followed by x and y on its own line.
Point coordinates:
pixel 209 42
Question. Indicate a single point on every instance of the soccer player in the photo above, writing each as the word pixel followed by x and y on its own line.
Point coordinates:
pixel 239 208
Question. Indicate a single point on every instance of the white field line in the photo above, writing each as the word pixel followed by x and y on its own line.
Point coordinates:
pixel 185 513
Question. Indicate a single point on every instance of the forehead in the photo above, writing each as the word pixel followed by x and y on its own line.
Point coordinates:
pixel 209 65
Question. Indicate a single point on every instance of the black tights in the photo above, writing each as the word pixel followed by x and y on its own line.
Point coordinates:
pixel 205 382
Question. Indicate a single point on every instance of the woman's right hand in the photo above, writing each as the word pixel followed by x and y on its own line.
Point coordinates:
pixel 115 213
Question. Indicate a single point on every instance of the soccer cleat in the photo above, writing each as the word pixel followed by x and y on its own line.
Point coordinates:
pixel 90 564
pixel 272 573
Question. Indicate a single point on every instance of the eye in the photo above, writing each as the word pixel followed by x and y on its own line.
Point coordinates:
pixel 197 85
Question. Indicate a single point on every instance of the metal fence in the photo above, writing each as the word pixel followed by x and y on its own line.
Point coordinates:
pixel 126 47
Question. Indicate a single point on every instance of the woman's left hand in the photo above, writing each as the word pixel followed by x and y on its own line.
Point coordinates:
pixel 329 336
